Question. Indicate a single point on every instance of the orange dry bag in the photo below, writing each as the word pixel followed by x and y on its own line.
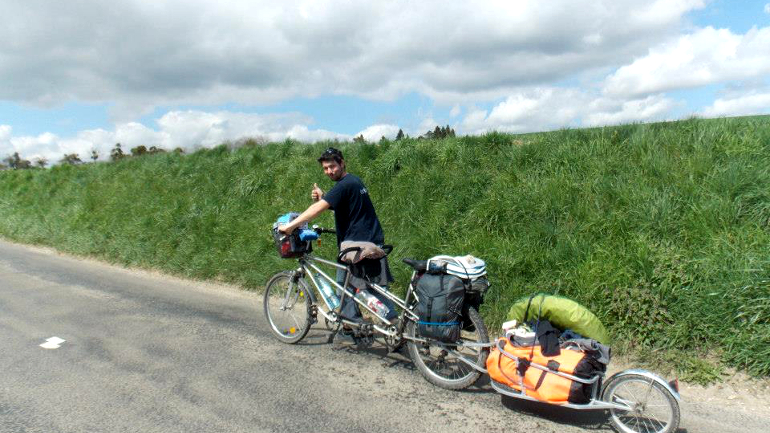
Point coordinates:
pixel 511 366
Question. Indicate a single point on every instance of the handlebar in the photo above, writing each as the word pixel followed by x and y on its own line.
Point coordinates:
pixel 321 230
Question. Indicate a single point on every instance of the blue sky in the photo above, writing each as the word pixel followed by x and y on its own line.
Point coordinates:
pixel 82 76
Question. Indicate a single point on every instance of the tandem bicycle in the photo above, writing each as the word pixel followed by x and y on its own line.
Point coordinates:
pixel 295 300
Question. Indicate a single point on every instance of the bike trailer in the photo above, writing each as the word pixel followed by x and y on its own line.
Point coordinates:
pixel 568 377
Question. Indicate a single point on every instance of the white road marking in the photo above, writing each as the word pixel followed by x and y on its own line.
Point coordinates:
pixel 52 343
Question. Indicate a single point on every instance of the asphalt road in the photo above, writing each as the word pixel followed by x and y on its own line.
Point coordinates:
pixel 145 352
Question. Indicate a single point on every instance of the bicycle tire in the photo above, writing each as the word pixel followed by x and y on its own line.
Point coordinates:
pixel 655 410
pixel 455 375
pixel 284 324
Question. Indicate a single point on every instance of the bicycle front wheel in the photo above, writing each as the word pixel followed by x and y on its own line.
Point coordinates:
pixel 652 408
pixel 287 307
pixel 441 364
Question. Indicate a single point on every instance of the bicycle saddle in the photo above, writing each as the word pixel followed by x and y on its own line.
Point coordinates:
pixel 353 252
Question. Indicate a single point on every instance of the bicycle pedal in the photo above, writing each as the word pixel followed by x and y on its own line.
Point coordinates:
pixel 398 347
pixel 364 342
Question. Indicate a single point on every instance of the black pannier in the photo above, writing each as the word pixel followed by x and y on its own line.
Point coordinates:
pixel 440 306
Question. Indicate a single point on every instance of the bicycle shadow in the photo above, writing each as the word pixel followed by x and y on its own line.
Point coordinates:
pixel 398 359
pixel 587 419
pixel 598 420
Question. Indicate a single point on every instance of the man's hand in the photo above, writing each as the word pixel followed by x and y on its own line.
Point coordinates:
pixel 317 193
pixel 313 211
pixel 285 229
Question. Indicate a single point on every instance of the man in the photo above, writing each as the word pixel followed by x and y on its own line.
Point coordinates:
pixel 354 217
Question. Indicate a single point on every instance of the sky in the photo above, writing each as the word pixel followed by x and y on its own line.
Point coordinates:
pixel 82 75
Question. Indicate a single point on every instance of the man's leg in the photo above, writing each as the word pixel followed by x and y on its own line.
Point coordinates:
pixel 349 309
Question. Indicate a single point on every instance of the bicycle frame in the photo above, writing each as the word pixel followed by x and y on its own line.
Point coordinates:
pixel 308 267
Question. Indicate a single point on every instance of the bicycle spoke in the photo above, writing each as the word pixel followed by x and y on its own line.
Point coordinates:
pixel 649 410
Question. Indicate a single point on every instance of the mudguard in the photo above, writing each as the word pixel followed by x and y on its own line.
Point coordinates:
pixel 647 374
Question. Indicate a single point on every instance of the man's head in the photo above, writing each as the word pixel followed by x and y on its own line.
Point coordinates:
pixel 333 163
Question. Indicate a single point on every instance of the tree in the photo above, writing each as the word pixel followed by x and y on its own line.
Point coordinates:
pixel 41 162
pixel 16 162
pixel 10 161
pixel 94 155
pixel 400 135
pixel 71 159
pixel 153 150
pixel 447 132
pixel 359 139
pixel 179 150
pixel 138 150
pixel 439 132
pixel 117 153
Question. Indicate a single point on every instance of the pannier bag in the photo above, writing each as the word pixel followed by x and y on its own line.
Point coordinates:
pixel 473 271
pixel 295 244
pixel 511 366
pixel 444 292
pixel 439 307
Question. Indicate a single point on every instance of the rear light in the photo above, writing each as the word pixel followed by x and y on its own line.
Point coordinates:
pixel 286 248
pixel 674 384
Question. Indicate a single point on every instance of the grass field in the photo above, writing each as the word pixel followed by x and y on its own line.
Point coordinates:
pixel 663 230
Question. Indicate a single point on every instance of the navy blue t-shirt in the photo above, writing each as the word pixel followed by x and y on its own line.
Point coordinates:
pixel 354 212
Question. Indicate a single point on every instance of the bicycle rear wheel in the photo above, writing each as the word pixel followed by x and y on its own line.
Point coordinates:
pixel 287 307
pixel 439 363
pixel 652 407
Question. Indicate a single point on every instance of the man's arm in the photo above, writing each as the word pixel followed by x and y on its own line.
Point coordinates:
pixel 313 211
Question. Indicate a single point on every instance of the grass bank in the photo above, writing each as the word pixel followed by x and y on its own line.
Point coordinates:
pixel 663 230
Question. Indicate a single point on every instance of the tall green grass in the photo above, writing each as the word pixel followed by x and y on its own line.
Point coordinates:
pixel 663 230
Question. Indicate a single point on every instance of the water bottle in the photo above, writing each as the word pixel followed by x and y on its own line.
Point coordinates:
pixel 328 292
pixel 372 302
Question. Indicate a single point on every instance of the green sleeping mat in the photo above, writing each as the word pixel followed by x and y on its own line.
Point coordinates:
pixel 563 313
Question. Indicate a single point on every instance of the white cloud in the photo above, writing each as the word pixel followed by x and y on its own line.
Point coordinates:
pixel 138 55
pixel 5 133
pixel 707 56
pixel 767 8
pixel 540 108
pixel 426 124
pixel 186 129
pixel 375 132
pixel 544 108
pixel 754 102
pixel 654 107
